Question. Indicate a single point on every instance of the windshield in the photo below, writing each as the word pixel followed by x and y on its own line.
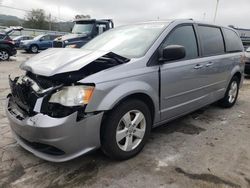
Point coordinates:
pixel 80 28
pixel 38 37
pixel 131 41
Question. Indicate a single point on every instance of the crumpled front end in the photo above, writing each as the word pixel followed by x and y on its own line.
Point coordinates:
pixel 50 131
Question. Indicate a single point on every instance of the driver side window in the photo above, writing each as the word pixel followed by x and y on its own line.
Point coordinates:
pixel 45 38
pixel 184 36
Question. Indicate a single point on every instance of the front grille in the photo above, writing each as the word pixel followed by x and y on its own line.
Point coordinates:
pixel 23 96
pixel 15 110
pixel 57 44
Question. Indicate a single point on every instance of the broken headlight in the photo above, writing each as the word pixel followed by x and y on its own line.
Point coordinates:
pixel 73 95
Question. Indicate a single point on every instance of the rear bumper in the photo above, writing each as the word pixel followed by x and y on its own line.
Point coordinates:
pixel 56 139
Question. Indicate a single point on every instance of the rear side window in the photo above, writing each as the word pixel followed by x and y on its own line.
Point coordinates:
pixel 211 40
pixel 233 41
pixel 184 36
pixel 46 38
pixel 52 37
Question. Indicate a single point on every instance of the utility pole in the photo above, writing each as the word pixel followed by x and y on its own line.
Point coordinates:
pixel 216 10
pixel 204 16
pixel 59 14
pixel 50 22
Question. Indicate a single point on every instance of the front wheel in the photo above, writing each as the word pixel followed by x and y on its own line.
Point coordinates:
pixel 34 48
pixel 126 129
pixel 231 95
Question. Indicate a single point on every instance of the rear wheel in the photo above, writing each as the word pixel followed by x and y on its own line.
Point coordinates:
pixel 126 129
pixel 4 55
pixel 231 95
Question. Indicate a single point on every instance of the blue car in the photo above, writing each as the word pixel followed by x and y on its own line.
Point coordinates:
pixel 41 42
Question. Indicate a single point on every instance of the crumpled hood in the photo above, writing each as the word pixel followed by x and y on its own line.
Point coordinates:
pixel 70 36
pixel 60 60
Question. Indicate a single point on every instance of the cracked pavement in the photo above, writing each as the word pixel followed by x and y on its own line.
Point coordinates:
pixel 208 148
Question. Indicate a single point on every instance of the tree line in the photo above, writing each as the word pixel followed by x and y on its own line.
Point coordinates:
pixel 38 19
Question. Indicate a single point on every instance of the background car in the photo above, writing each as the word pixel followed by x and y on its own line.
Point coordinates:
pixel 83 31
pixel 18 39
pixel 4 36
pixel 41 42
pixel 7 49
pixel 247 66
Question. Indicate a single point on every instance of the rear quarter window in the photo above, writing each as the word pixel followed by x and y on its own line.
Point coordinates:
pixel 212 42
pixel 52 37
pixel 233 41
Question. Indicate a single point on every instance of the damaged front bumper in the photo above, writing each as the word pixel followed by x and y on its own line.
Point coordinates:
pixel 55 139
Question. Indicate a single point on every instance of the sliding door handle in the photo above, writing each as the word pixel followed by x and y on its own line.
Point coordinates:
pixel 209 64
pixel 198 66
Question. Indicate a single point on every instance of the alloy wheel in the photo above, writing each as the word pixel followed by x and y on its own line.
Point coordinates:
pixel 130 130
pixel 4 55
pixel 232 94
pixel 34 49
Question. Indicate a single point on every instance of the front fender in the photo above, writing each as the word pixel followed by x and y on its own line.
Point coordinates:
pixel 103 101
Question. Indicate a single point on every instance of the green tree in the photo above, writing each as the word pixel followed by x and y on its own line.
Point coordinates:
pixel 36 19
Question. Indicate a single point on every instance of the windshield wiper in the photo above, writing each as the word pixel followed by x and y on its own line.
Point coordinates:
pixel 111 57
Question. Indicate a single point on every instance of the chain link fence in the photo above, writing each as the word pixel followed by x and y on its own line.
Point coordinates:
pixel 32 32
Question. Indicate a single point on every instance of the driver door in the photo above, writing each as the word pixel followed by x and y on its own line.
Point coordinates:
pixel 45 42
pixel 182 80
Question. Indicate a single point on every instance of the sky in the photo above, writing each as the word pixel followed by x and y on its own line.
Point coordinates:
pixel 230 12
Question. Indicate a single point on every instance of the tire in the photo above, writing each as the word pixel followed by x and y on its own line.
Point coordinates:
pixel 231 95
pixel 34 48
pixel 132 138
pixel 4 55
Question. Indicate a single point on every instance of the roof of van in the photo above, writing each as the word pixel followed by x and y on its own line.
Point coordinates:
pixel 188 20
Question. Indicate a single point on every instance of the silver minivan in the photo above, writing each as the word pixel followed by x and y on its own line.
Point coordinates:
pixel 110 93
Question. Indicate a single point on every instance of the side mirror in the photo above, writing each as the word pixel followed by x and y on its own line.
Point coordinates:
pixel 172 52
